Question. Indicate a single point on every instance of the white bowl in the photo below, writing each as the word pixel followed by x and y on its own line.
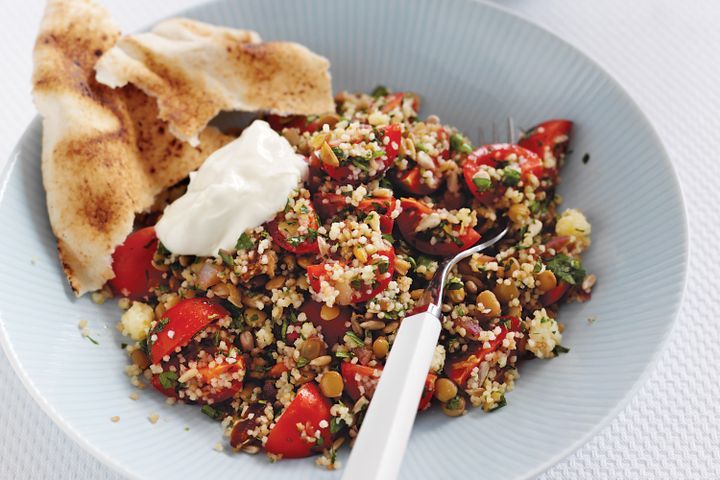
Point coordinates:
pixel 473 64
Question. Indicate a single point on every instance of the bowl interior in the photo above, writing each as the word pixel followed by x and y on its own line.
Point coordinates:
pixel 473 65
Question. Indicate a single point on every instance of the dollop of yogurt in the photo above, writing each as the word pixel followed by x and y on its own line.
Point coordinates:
pixel 240 186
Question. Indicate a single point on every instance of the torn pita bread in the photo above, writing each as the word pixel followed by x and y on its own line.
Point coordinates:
pixel 196 70
pixel 105 153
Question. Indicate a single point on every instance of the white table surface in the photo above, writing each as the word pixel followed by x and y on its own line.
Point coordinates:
pixel 666 54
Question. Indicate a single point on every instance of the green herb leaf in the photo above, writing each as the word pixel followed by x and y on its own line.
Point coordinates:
pixel 211 412
pixel 380 91
pixel 335 425
pixel 388 237
pixel 244 242
pixel 455 284
pixel 568 269
pixel 538 267
pixel 339 153
pixel 168 379
pixel 302 362
pixel 354 338
pixel 341 354
pixel 361 163
pixel 383 266
pixel 511 177
pixel 92 339
pixel 501 403
pixel 454 403
pixel 459 143
pixel 560 349
pixel 226 258
pixel 482 183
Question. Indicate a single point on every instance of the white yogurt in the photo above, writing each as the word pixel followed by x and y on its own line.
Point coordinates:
pixel 240 186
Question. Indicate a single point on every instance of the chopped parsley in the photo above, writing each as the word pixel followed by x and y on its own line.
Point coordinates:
pixel 211 412
pixel 354 338
pixel 92 339
pixel 511 177
pixel 302 361
pixel 388 237
pixel 226 258
pixel 454 403
pixel 560 349
pixel 567 269
pixel 244 242
pixel 455 284
pixel 168 379
pixel 335 425
pixel 501 403
pixel 341 354
pixel 459 143
pixel 380 91
pixel 482 183
pixel 538 267
pixel 361 163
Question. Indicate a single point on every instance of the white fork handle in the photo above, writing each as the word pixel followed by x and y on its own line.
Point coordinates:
pixel 381 442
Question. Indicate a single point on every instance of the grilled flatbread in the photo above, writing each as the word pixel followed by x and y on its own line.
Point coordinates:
pixel 196 70
pixel 105 152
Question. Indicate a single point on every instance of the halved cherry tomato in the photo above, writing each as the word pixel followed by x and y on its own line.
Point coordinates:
pixel 208 374
pixel 132 265
pixel 555 294
pixel 552 138
pixel 413 181
pixel 184 320
pixel 389 140
pixel 459 371
pixel 412 212
pixel 333 330
pixel 492 156
pixel 348 293
pixel 309 409
pixel 361 380
pixel 410 182
pixel 332 205
pixel 285 233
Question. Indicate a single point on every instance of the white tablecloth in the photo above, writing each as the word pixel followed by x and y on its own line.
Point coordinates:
pixel 666 54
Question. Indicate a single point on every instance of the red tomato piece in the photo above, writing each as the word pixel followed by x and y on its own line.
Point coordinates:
pixel 493 156
pixel 333 330
pixel 348 293
pixel 410 182
pixel 394 100
pixel 389 140
pixel 554 295
pixel 412 212
pixel 208 374
pixel 549 138
pixel 332 205
pixel 427 392
pixel 184 320
pixel 132 265
pixel 286 234
pixel 361 380
pixel 459 371
pixel 309 409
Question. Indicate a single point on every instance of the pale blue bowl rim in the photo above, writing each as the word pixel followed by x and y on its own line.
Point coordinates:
pixel 611 414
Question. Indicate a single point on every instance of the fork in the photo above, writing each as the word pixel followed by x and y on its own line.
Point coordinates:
pixel 382 439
